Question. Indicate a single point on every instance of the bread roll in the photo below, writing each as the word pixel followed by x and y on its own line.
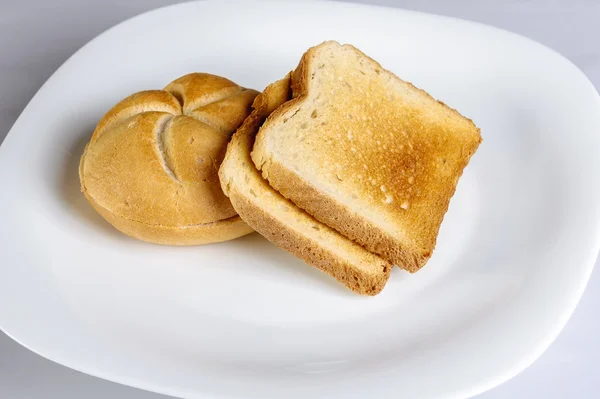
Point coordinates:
pixel 151 166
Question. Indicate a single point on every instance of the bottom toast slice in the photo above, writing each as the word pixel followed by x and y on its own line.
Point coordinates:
pixel 282 222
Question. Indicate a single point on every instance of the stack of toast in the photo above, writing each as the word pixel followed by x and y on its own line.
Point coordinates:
pixel 348 167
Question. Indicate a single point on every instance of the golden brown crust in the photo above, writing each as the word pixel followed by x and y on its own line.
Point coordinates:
pixel 392 151
pixel 138 103
pixel 226 115
pixel 197 90
pixel 151 168
pixel 282 222
pixel 218 231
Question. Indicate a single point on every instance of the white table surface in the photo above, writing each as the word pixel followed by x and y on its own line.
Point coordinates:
pixel 37 36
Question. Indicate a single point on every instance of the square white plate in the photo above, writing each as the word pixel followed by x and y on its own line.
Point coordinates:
pixel 243 319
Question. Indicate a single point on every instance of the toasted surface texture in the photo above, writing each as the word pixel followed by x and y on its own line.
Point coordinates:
pixel 366 153
pixel 151 167
pixel 283 223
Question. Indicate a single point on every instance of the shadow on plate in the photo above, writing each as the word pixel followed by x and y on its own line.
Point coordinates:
pixel 276 263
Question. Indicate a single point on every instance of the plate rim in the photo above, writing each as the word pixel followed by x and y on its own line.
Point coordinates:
pixel 477 388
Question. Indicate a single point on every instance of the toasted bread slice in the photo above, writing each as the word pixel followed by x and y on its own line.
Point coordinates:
pixel 366 153
pixel 283 223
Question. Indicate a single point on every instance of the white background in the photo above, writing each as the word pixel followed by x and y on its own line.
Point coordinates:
pixel 37 36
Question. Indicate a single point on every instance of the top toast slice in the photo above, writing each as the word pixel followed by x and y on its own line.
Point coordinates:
pixel 283 223
pixel 366 153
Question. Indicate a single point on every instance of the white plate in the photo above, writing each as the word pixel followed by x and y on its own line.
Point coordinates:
pixel 244 319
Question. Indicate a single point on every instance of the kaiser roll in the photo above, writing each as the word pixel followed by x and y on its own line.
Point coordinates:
pixel 151 166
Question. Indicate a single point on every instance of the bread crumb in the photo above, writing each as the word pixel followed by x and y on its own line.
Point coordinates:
pixel 389 199
pixel 382 188
pixel 411 179
pixel 350 136
pixel 405 205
